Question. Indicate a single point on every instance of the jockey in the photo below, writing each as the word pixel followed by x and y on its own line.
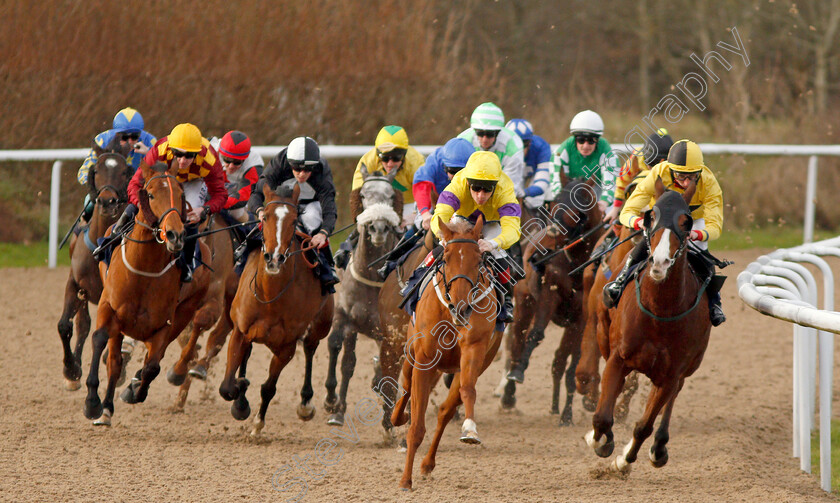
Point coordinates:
pixel 242 170
pixel 391 152
pixel 537 171
pixel 301 163
pixel 683 167
pixel 127 128
pixel 654 151
pixel 439 169
pixel 482 188
pixel 487 131
pixel 585 154
pixel 201 175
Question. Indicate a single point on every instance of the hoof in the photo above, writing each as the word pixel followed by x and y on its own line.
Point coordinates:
pixel 199 372
pixel 603 447
pixel 336 419
pixel 305 412
pixel 470 437
pixel 658 463
pixel 175 379
pixel 240 414
pixel 403 445
pixel 389 436
pixel 258 427
pixel 516 376
pixel 73 373
pixel 605 450
pixel 104 419
pixel 71 385
pixel 621 465
pixel 128 394
pixel 588 403
pixel 93 408
pixel 508 402
pixel 566 418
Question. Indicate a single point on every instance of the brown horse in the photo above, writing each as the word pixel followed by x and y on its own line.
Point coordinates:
pixel 660 327
pixel 455 336
pixel 554 294
pixel 278 303
pixel 214 310
pixel 142 297
pixel 587 374
pixel 107 184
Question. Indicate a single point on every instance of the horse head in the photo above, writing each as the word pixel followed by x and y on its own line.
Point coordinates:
pixel 667 228
pixel 462 260
pixel 280 217
pixel 163 205
pixel 108 181
pixel 576 208
pixel 378 222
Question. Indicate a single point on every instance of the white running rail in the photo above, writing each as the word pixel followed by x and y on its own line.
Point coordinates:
pixel 356 151
pixel 778 285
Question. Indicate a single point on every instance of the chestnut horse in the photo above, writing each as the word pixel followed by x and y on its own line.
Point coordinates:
pixel 554 295
pixel 278 303
pixel 107 185
pixel 659 327
pixel 456 335
pixel 142 297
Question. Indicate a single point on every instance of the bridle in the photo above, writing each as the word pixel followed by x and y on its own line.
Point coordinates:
pixel 158 224
pixel 446 298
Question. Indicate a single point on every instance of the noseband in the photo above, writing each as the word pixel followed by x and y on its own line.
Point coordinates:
pixel 447 283
pixel 158 226
pixel 305 238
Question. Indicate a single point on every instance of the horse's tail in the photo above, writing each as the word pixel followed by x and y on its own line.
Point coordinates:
pixel 398 416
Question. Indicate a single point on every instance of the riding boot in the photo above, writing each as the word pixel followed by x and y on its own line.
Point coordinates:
pixel 342 256
pixel 613 289
pixel 716 315
pixel 405 245
pixel 507 303
pixel 515 260
pixel 108 244
pixel 326 272
pixel 186 261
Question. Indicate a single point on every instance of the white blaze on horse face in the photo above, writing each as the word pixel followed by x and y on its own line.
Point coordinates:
pixel 662 257
pixel 111 163
pixel 281 212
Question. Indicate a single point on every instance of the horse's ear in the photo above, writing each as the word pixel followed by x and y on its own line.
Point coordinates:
pixel 591 181
pixel 161 167
pixel 445 231
pixel 392 174
pixel 364 171
pixel 648 218
pixel 689 192
pixel 267 190
pixel 634 163
pixel 296 193
pixel 685 222
pixel 479 225
pixel 659 187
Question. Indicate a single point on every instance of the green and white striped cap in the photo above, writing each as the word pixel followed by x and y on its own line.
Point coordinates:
pixel 487 116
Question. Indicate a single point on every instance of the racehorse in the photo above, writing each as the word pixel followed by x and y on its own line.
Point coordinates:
pixel 552 294
pixel 278 302
pixel 453 334
pixel 214 312
pixel 357 298
pixel 142 297
pixel 107 184
pixel 660 327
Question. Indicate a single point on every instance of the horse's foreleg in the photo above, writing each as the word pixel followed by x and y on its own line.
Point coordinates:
pixel 236 350
pixel 548 305
pixel 215 341
pixel 587 376
pixel 136 392
pixel 659 396
pixel 524 313
pixel 622 406
pixel 658 452
pixel 334 342
pixel 569 349
pixel 389 359
pixel 115 366
pixel 472 364
pixel 106 327
pixel 421 383
pixel 399 417
pixel 72 366
pixel 445 414
pixel 305 410
pixel 602 421
pixel 279 361
pixel 348 367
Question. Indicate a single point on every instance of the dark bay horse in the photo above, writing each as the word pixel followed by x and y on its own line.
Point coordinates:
pixel 659 327
pixel 107 184
pixel 278 303
pixel 587 374
pixel 142 296
pixel 358 293
pixel 551 294
pixel 456 335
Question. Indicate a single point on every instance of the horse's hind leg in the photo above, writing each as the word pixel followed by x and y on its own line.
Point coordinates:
pixel 334 342
pixel 279 361
pixel 107 327
pixel 600 438
pixel 569 349
pixel 421 383
pixel 136 392
pixel 659 396
pixel 586 373
pixel 389 359
pixel 115 369
pixel 399 417
pixel 622 407
pixel 348 367
pixel 445 414
pixel 215 341
pixel 306 410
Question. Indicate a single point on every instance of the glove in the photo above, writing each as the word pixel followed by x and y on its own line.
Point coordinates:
pixel 695 235
pixel 638 223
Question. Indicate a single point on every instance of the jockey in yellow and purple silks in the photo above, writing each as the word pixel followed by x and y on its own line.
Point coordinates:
pixel 482 189
pixel 683 167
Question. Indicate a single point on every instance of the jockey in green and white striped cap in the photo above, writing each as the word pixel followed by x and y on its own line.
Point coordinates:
pixel 487 116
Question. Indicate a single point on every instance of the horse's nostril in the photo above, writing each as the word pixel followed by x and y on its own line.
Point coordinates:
pixel 281 259
pixel 171 236
pixel 267 257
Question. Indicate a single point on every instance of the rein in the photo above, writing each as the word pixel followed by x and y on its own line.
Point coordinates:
pixel 157 223
pixel 668 318
pixel 445 298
